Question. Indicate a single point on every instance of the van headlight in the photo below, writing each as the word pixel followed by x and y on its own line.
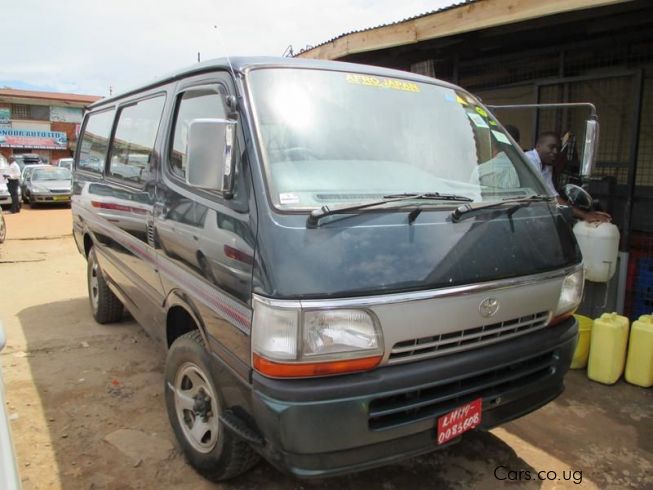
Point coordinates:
pixel 571 294
pixel 291 342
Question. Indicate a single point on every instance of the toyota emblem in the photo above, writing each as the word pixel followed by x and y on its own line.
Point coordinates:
pixel 488 307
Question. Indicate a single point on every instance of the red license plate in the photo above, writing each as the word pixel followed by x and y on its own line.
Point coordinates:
pixel 459 421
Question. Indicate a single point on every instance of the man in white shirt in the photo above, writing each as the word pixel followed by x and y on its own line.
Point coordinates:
pixel 542 157
pixel 12 174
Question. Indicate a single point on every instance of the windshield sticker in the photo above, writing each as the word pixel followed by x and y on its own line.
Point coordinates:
pixel 460 100
pixel 371 81
pixel 492 123
pixel 288 198
pixel 501 138
pixel 478 120
pixel 481 112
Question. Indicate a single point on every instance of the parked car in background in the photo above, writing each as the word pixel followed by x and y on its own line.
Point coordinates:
pixel 25 159
pixel 65 163
pixel 9 478
pixel 24 177
pixel 49 184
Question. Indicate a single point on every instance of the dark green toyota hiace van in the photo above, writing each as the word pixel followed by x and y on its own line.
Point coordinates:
pixel 346 265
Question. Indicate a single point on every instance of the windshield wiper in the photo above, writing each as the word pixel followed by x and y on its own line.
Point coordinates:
pixel 317 214
pixel 429 195
pixel 466 210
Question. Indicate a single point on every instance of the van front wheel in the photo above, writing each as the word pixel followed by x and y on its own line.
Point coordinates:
pixel 194 405
pixel 105 305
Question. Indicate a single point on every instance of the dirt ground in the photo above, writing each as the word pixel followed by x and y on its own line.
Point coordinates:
pixel 88 413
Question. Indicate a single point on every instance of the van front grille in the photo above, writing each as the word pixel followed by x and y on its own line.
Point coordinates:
pixel 437 345
pixel 439 398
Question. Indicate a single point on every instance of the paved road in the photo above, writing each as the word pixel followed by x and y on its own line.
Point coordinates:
pixel 73 386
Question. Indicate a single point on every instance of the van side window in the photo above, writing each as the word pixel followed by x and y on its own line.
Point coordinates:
pixel 95 141
pixel 194 104
pixel 133 142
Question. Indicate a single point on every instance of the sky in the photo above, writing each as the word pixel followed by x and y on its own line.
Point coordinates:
pixel 92 47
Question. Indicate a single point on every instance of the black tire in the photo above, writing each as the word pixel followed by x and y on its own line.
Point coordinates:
pixel 224 455
pixel 32 202
pixel 105 305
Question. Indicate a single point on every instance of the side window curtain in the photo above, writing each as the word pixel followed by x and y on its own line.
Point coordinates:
pixel 193 104
pixel 133 142
pixel 95 141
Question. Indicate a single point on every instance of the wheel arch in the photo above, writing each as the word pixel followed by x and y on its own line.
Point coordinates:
pixel 88 243
pixel 182 317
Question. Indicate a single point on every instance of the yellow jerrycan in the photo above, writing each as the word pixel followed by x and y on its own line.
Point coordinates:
pixel 639 366
pixel 608 348
pixel 582 351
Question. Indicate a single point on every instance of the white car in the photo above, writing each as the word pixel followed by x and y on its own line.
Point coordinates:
pixel 65 163
pixel 9 478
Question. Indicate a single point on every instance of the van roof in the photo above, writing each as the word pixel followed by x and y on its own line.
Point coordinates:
pixel 243 64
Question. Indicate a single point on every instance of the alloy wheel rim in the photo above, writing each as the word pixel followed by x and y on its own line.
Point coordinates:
pixel 197 408
pixel 94 285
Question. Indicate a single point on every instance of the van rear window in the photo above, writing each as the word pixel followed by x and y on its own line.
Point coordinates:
pixel 95 141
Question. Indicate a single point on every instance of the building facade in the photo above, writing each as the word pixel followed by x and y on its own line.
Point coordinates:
pixel 45 123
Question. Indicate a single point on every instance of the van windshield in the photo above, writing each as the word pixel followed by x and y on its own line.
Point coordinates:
pixel 332 137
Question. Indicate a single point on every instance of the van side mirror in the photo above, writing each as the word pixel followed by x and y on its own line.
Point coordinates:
pixel 210 155
pixel 578 197
pixel 590 148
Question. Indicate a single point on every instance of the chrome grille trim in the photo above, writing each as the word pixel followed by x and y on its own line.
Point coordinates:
pixel 471 338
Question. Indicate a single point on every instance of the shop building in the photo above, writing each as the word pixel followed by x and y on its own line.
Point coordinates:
pixel 46 123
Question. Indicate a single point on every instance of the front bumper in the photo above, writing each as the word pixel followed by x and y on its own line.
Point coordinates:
pixel 50 198
pixel 330 426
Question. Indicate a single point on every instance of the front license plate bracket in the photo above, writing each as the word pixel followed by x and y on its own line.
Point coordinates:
pixel 459 420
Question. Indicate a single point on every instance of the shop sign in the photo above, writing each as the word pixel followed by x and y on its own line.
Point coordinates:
pixel 5 115
pixel 65 114
pixel 29 138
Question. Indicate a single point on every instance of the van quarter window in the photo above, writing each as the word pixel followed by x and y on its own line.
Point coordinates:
pixel 95 141
pixel 194 104
pixel 133 142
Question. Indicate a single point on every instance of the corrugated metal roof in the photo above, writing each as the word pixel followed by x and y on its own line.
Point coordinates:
pixel 467 16
pixel 61 97
pixel 437 11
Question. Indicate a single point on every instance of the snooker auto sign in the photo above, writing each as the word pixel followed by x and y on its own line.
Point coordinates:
pixel 29 138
